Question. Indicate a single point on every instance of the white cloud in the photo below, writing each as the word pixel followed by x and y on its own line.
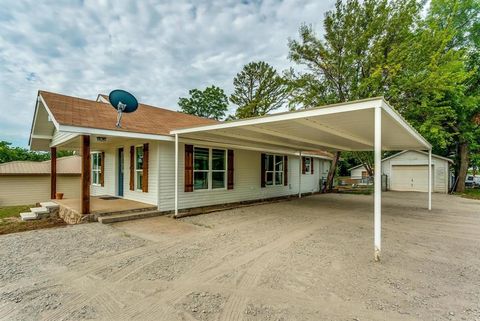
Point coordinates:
pixel 156 49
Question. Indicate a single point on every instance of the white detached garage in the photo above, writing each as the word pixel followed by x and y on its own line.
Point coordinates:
pixel 408 171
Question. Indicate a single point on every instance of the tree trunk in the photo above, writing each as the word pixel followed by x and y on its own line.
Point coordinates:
pixel 331 173
pixel 463 168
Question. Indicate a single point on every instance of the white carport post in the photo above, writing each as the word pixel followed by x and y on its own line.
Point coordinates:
pixel 176 175
pixel 377 205
pixel 430 179
pixel 300 174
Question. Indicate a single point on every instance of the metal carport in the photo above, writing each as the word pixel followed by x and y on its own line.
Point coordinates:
pixel 362 125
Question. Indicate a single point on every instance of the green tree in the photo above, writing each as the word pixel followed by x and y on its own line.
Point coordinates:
pixel 10 154
pixel 446 81
pixel 210 103
pixel 421 65
pixel 351 61
pixel 258 90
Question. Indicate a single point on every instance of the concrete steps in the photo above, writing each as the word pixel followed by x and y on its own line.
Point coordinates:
pixel 40 212
pixel 114 218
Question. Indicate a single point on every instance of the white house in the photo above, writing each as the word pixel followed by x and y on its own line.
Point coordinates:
pixel 408 171
pixel 138 164
pixel 177 161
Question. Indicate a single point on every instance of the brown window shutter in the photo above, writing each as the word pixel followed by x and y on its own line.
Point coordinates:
pixel 132 168
pixel 230 169
pixel 102 170
pixel 285 170
pixel 262 169
pixel 188 168
pixel 303 165
pixel 311 165
pixel 145 168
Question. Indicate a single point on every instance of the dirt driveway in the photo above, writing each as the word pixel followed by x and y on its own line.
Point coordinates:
pixel 308 259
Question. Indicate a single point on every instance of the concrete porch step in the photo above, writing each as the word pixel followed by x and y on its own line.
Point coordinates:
pixel 49 205
pixel 129 211
pixel 28 216
pixel 39 210
pixel 127 216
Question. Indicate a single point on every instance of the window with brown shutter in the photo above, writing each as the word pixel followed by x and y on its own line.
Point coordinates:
pixel 188 168
pixel 230 169
pixel 303 165
pixel 312 165
pixel 145 168
pixel 102 170
pixel 262 170
pixel 132 168
pixel 285 170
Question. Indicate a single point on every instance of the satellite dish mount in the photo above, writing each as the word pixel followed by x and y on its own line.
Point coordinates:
pixel 123 102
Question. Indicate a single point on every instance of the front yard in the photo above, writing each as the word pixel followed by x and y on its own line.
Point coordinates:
pixel 304 259
pixel 10 221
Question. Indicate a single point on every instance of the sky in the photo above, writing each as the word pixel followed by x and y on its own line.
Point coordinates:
pixel 158 50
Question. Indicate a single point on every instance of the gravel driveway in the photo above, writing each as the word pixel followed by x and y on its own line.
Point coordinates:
pixel 308 259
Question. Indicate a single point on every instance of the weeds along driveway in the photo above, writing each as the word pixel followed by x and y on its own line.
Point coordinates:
pixel 308 259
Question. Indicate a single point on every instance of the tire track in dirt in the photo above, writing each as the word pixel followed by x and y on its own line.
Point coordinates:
pixel 197 276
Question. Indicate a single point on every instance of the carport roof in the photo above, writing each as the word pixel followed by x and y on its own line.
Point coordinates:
pixel 346 126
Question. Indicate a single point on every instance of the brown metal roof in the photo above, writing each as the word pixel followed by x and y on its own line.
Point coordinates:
pixel 79 112
pixel 69 165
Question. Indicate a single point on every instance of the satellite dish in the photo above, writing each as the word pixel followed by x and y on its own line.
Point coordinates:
pixel 123 102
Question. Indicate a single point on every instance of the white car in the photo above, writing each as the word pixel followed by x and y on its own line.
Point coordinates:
pixel 472 181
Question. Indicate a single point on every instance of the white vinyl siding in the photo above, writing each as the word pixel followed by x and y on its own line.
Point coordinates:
pixel 247 180
pixel 111 173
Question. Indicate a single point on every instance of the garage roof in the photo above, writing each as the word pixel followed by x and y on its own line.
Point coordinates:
pixel 346 126
pixel 69 165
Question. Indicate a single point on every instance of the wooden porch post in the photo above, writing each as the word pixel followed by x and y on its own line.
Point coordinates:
pixel 53 172
pixel 86 173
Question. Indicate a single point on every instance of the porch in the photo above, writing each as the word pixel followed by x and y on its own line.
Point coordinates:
pixel 105 205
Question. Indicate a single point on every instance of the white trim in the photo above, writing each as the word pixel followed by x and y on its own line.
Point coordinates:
pixel 318 111
pixel 41 137
pixel 377 207
pixel 54 121
pixel 397 117
pixel 34 121
pixel 176 176
pixel 114 133
pixel 430 179
pixel 275 171
pixel 300 174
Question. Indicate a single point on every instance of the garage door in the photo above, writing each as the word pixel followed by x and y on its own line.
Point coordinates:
pixel 409 178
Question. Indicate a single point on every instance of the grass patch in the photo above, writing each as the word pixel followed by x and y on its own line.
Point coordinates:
pixel 12 211
pixel 473 193
pixel 10 221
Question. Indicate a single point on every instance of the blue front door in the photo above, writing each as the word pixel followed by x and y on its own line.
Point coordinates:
pixel 120 172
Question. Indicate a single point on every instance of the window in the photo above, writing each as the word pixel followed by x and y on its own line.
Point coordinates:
pixel 218 168
pixel 139 167
pixel 96 168
pixel 308 164
pixel 209 168
pixel 273 170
